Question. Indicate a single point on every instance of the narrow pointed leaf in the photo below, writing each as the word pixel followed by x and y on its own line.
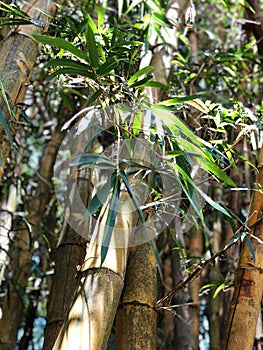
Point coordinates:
pixel 5 99
pixel 138 74
pixel 71 71
pixel 94 97
pixel 97 161
pixel 65 62
pixel 107 67
pixel 100 197
pixel 5 126
pixel 92 47
pixel 61 44
pixel 250 248
pixel 141 82
pixel 111 218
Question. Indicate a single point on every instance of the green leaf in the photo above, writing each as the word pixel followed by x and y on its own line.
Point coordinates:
pixel 71 71
pixel 189 190
pixel 138 74
pixel 5 126
pixel 14 10
pixel 250 248
pixel 91 23
pixel 218 289
pixel 214 169
pixel 96 161
pixel 205 161
pixel 4 21
pixel 92 47
pixel 161 19
pixel 141 82
pixel 132 5
pixel 61 44
pixel 100 197
pixel 174 124
pixel 214 204
pixel 65 62
pixel 180 99
pixel 107 67
pixel 94 97
pixel 111 218
pixel 5 99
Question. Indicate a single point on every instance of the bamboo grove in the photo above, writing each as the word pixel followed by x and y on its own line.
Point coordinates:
pixel 131 174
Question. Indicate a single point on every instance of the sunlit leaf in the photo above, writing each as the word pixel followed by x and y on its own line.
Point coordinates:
pixel 14 10
pixel 178 100
pixel 218 290
pixel 198 104
pixel 141 82
pixel 138 74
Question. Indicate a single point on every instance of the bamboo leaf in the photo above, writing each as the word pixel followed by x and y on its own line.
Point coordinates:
pixel 107 67
pixel 214 204
pixel 100 197
pixel 111 218
pixel 94 97
pixel 138 74
pixel 97 161
pixel 179 99
pixel 14 10
pixel 4 21
pixel 218 289
pixel 65 62
pixel 140 83
pixel 92 47
pixel 250 248
pixel 5 126
pixel 174 124
pixel 71 71
pixel 198 104
pixel 61 44
pixel 189 191
pixel 5 99
pixel 214 169
pixel 205 161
